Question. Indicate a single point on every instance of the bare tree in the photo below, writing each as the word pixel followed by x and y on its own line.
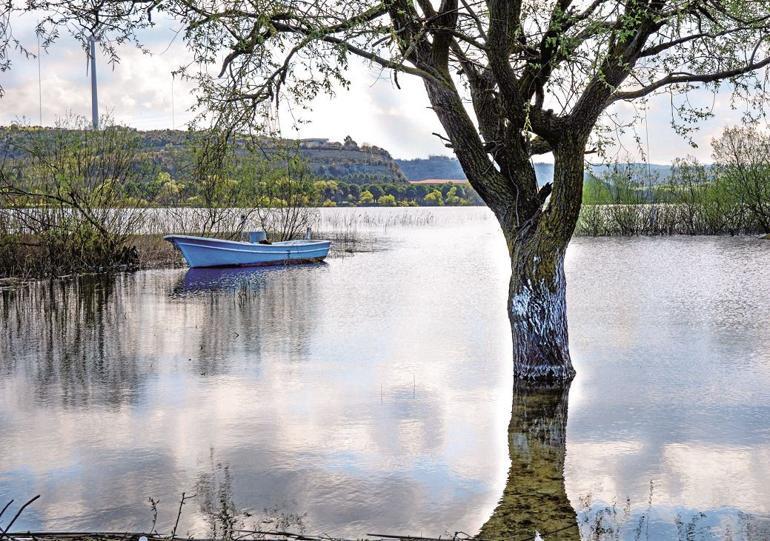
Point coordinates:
pixel 508 79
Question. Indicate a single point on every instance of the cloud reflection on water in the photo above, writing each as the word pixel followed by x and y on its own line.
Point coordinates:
pixel 374 392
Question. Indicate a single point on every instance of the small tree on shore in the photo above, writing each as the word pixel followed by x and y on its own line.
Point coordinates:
pixel 507 79
pixel 223 184
pixel 66 190
pixel 283 193
pixel 742 156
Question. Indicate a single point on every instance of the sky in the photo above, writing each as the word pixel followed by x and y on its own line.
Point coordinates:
pixel 138 92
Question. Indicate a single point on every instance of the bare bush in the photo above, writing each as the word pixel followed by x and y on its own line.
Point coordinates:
pixel 65 198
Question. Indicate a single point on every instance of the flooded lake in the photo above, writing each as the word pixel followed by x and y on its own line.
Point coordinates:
pixel 373 393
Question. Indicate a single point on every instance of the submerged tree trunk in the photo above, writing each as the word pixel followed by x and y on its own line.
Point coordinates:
pixel 537 309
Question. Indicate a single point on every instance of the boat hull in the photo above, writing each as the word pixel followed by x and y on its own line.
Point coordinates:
pixel 201 252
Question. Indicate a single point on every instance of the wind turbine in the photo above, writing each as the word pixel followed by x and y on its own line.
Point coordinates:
pixel 39 82
pixel 94 97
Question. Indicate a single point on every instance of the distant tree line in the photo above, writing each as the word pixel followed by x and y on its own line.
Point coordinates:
pixel 164 191
pixel 330 193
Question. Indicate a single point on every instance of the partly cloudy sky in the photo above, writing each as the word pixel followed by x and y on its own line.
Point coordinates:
pixel 138 92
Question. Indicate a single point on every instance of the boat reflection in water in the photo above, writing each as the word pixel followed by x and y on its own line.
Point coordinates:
pixel 198 280
pixel 535 500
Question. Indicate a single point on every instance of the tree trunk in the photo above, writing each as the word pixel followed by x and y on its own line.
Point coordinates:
pixel 537 296
pixel 537 309
pixel 537 230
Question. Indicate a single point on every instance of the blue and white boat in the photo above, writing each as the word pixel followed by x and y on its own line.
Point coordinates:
pixel 209 252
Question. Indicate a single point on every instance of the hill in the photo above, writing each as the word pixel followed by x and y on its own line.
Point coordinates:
pixel 170 151
pixel 641 173
pixel 350 162
pixel 433 167
pixel 445 167
pixel 448 168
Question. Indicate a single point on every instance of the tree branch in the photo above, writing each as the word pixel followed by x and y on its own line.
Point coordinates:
pixel 674 79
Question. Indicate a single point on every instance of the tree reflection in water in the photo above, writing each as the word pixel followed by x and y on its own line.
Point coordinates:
pixel 535 500
pixel 535 505
pixel 98 340
pixel 71 338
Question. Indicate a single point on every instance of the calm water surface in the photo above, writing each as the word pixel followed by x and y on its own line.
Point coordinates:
pixel 374 393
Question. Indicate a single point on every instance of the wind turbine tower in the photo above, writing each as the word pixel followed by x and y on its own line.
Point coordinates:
pixel 94 97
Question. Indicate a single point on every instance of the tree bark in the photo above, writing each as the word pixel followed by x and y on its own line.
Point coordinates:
pixel 537 309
